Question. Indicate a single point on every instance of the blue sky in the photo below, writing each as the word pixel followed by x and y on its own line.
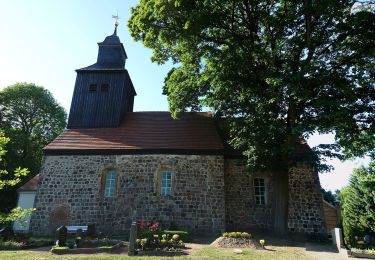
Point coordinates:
pixel 44 41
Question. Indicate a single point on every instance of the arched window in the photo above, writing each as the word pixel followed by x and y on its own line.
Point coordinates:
pixel 166 183
pixel 110 183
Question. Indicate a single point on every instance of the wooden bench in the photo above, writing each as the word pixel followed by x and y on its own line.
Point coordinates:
pixel 74 229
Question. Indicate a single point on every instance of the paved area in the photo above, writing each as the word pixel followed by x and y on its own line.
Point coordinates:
pixel 324 251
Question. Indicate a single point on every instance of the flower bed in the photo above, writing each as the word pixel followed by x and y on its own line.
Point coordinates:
pixel 165 242
pixel 362 253
pixel 152 238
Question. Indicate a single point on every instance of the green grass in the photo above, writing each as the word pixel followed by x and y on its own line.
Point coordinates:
pixel 204 253
pixel 279 253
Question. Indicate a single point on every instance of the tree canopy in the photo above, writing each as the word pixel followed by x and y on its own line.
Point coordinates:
pixel 276 70
pixel 18 172
pixel 331 197
pixel 16 214
pixel 358 204
pixel 31 118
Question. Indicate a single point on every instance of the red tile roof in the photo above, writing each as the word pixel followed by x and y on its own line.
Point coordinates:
pixel 31 185
pixel 144 131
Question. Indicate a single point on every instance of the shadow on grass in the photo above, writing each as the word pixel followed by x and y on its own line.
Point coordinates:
pixel 268 249
pixel 204 240
pixel 320 247
pixel 162 253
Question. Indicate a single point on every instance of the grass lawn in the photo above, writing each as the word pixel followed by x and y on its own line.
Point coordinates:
pixel 274 252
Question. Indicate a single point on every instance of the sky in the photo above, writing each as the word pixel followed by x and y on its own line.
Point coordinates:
pixel 45 41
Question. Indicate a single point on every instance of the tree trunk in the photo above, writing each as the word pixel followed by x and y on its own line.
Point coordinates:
pixel 280 206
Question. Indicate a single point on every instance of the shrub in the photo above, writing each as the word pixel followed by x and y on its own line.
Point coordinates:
pixel 245 235
pixel 237 234
pixel 39 241
pixel 11 245
pixel 183 235
pixel 358 202
pixel 363 251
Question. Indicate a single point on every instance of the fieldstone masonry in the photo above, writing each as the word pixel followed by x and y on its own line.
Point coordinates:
pixel 73 182
pixel 241 211
pixel 305 212
pixel 209 194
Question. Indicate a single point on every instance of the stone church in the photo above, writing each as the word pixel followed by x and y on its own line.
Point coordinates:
pixel 112 165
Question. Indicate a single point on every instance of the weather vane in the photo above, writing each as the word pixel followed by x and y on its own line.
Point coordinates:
pixel 116 17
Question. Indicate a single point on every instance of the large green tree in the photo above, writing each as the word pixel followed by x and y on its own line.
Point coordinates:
pixel 358 204
pixel 31 118
pixel 16 214
pixel 276 70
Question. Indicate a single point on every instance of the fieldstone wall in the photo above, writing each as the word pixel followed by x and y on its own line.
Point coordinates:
pixel 241 211
pixel 305 212
pixel 70 192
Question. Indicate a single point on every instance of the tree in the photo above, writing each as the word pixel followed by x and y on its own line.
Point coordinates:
pixel 16 213
pixel 18 173
pixel 277 71
pixel 358 207
pixel 330 197
pixel 31 118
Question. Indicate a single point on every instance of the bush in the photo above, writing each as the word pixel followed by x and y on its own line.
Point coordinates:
pixel 237 234
pixel 11 245
pixel 39 241
pixel 363 251
pixel 358 204
pixel 183 235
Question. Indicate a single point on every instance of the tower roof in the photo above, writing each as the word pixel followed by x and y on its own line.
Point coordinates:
pixel 111 55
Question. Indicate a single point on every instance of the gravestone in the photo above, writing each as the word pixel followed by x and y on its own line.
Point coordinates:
pixel 337 239
pixel 132 239
pixel 79 232
pixel 6 233
pixel 62 233
pixel 91 231
pixel 369 240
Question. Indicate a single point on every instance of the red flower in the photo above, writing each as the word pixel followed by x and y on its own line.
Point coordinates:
pixel 154 226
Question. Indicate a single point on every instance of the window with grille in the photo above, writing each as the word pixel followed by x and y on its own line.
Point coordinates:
pixel 110 184
pixel 104 88
pixel 92 88
pixel 259 191
pixel 166 183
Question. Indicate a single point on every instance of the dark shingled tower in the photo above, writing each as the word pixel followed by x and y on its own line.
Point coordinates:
pixel 103 92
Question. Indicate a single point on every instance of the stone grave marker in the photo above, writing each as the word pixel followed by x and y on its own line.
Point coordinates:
pixel 6 233
pixel 91 231
pixel 62 233
pixel 132 239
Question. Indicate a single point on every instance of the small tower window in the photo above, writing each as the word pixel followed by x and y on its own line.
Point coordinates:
pixel 92 88
pixel 104 88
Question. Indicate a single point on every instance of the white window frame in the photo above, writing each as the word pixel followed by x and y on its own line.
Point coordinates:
pixel 260 191
pixel 110 184
pixel 166 183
